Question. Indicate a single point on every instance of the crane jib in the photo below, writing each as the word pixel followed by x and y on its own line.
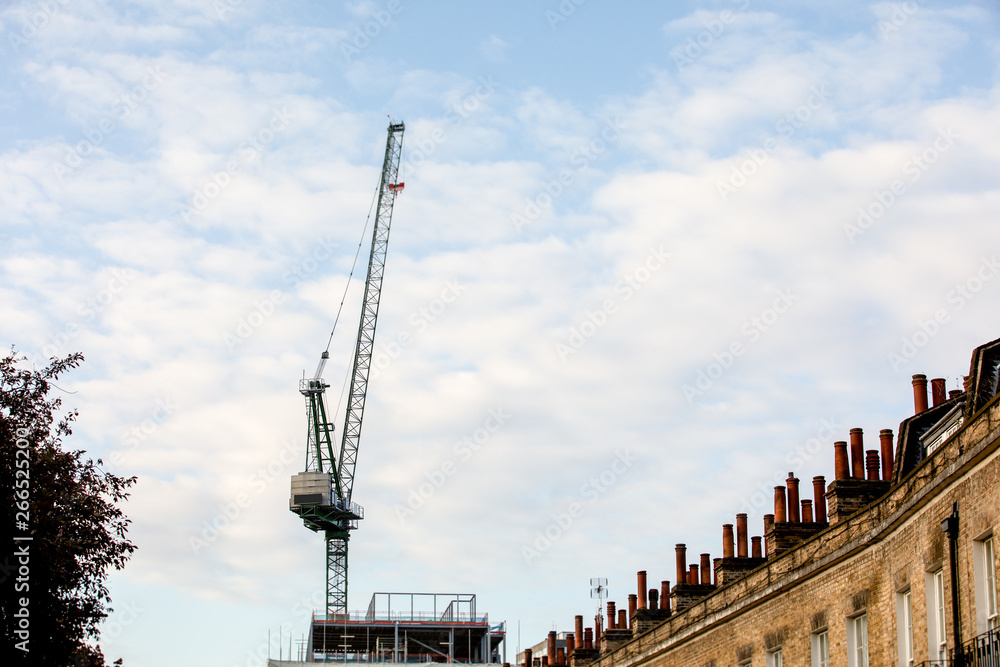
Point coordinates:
pixel 321 495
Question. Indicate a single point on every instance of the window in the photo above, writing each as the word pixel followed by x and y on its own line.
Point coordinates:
pixel 857 641
pixel 774 658
pixel 990 594
pixel 821 649
pixel 937 630
pixel 904 624
pixel 986 585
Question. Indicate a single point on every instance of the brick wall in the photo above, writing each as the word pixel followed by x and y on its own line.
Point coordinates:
pixel 857 565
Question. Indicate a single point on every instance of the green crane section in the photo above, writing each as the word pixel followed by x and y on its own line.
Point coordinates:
pixel 321 494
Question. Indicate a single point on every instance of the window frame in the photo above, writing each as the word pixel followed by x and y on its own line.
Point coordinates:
pixel 857 652
pixel 984 566
pixel 819 641
pixel 904 628
pixel 937 619
pixel 774 658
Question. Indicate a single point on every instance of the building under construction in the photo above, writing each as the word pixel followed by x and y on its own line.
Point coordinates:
pixel 408 627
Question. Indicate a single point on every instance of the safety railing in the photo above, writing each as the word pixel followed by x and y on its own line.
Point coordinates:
pixel 402 617
pixel 983 651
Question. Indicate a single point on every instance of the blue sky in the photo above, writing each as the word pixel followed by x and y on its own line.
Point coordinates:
pixel 669 245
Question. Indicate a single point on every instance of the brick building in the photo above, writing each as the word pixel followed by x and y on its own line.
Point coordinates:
pixel 891 563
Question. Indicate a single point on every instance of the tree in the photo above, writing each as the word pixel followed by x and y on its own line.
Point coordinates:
pixel 63 525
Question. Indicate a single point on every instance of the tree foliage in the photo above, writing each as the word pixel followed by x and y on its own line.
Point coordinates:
pixel 76 527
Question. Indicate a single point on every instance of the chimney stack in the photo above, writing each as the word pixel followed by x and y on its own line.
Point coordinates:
pixel 755 546
pixel 727 541
pixel 665 595
pixel 871 464
pixel 857 453
pixel 527 657
pixel 706 569
pixel 633 606
pixel 611 615
pixel 552 647
pixel 560 656
pixel 919 393
pixel 693 574
pixel 578 627
pixel 588 638
pixel 641 585
pixel 819 498
pixel 841 468
pixel 654 599
pixel 715 571
pixel 622 620
pixel 741 535
pixel 570 643
pixel 807 510
pixel 681 551
pixel 793 497
pixel 939 391
pixel 885 440
pixel 779 504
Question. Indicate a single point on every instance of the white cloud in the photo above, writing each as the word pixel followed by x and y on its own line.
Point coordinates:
pixel 494 49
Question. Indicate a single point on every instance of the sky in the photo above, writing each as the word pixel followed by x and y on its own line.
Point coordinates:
pixel 650 258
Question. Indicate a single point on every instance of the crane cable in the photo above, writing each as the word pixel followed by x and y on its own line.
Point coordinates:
pixel 353 266
pixel 347 375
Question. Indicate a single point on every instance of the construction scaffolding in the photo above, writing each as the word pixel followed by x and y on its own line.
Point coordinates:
pixel 408 627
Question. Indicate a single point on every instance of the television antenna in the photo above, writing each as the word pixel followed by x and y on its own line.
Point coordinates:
pixel 599 590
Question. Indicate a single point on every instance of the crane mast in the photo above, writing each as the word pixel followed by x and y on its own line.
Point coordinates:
pixel 321 494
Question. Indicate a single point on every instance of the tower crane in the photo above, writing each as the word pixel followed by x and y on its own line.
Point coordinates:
pixel 321 494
